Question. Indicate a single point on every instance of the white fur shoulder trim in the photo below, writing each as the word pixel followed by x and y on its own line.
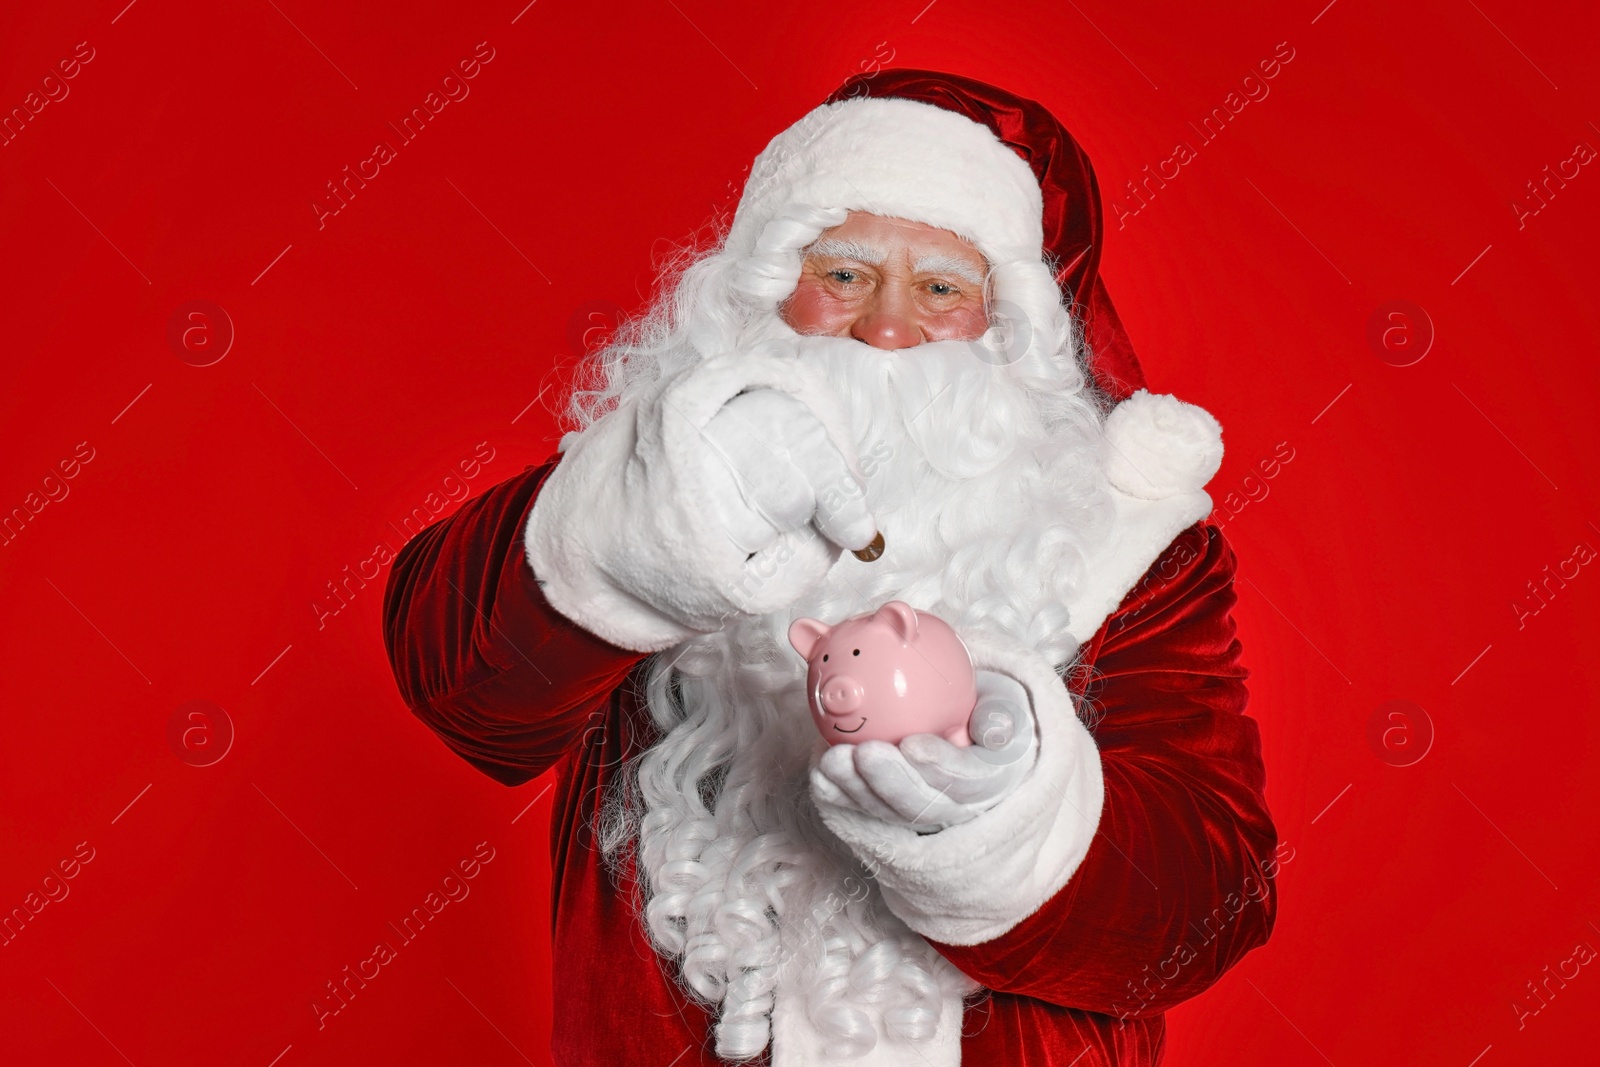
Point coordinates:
pixel 1142 531
pixel 1159 454
pixel 972 882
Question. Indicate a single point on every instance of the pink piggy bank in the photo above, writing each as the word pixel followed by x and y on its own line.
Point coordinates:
pixel 885 676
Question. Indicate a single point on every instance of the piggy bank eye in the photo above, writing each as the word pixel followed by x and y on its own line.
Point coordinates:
pixel 824 657
pixel 857 652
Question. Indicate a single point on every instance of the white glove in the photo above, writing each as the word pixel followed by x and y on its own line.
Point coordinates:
pixel 927 783
pixel 771 469
pixel 715 493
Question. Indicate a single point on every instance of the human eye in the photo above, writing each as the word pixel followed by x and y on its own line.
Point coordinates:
pixel 844 275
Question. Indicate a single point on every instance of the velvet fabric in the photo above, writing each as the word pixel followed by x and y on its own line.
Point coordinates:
pixel 1174 890
pixel 1074 221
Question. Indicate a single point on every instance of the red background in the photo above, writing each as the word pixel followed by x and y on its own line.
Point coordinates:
pixel 426 316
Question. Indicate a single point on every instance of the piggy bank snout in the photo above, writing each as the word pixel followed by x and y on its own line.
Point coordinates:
pixel 841 695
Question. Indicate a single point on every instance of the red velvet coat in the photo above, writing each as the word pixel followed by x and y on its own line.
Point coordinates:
pixel 1176 887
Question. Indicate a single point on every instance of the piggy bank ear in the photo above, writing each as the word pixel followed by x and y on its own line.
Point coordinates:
pixel 806 634
pixel 902 617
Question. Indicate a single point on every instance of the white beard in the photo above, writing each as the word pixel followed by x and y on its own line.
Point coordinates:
pixel 989 498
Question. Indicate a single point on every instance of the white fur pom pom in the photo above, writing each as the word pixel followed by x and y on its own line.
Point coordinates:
pixel 1158 446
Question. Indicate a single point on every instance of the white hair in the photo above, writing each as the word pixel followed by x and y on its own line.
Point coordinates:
pixel 983 474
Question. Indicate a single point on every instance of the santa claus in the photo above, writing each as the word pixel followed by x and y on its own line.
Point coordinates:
pixel 897 377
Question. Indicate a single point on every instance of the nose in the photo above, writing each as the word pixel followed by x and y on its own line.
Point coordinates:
pixel 888 332
pixel 889 322
pixel 842 695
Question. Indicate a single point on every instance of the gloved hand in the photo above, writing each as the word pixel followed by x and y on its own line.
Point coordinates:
pixel 725 489
pixel 927 783
pixel 771 470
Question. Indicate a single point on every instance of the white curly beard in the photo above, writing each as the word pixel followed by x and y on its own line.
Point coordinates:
pixel 989 498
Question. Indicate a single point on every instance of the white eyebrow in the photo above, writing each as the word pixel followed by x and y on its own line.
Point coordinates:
pixel 942 263
pixel 849 248
pixel 876 255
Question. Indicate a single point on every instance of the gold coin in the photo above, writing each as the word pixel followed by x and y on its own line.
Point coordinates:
pixel 872 551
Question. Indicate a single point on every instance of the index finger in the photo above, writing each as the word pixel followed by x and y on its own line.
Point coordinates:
pixel 841 513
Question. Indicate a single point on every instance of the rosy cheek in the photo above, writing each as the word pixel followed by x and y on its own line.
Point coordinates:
pixel 812 310
pixel 959 324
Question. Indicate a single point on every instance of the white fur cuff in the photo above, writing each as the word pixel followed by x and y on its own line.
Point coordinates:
pixel 972 882
pixel 623 537
pixel 567 527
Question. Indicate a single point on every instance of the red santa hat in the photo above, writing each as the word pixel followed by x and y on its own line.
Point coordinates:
pixel 951 152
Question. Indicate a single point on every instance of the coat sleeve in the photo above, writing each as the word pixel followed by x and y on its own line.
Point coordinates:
pixel 1178 882
pixel 507 682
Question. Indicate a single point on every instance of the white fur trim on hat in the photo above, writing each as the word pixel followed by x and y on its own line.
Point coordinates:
pixel 902 159
pixel 1158 446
